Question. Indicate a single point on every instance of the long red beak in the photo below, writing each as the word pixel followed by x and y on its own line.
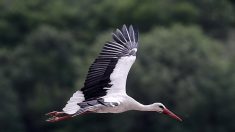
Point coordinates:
pixel 171 114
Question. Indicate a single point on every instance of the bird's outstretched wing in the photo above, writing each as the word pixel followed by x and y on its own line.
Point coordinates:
pixel 109 71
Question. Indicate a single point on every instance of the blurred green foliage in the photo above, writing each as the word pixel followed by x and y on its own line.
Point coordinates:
pixel 185 60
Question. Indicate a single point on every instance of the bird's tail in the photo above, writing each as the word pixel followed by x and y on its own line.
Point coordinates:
pixel 72 105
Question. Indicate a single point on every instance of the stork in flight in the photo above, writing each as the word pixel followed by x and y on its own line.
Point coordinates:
pixel 104 89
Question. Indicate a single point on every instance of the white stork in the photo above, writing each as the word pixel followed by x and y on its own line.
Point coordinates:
pixel 104 89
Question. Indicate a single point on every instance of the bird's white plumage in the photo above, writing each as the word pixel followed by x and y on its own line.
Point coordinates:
pixel 118 79
pixel 72 105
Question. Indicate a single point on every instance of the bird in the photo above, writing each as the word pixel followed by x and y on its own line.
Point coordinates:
pixel 104 89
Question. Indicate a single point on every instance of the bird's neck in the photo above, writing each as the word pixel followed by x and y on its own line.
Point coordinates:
pixel 149 107
pixel 141 107
pixel 135 105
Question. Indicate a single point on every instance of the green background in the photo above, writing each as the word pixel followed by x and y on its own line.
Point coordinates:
pixel 186 60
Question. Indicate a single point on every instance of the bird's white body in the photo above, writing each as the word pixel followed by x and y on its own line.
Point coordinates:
pixel 127 103
pixel 124 104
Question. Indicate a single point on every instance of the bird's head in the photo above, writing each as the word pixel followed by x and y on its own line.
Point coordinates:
pixel 160 108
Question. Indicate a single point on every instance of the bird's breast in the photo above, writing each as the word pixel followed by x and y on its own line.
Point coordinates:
pixel 122 106
pixel 115 109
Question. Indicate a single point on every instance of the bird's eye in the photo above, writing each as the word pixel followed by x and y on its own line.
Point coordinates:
pixel 161 106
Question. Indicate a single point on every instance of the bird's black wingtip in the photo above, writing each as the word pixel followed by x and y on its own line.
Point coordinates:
pixel 126 33
pixel 130 26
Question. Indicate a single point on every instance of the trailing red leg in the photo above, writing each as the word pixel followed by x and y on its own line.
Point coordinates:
pixel 57 116
pixel 55 113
